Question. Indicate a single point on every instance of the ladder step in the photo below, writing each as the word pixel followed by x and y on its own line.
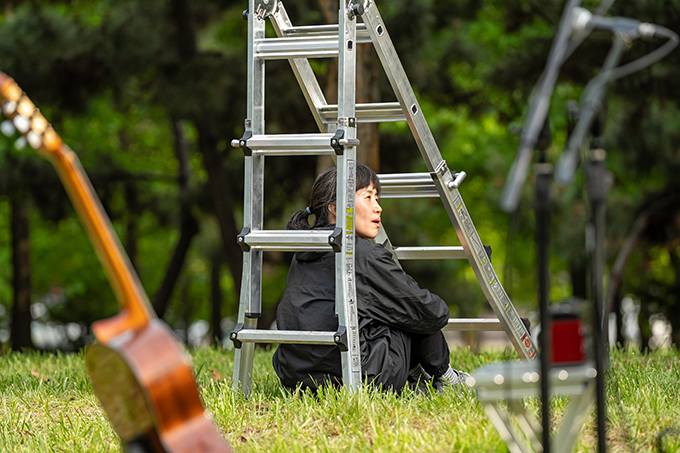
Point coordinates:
pixel 330 31
pixel 430 253
pixel 477 324
pixel 298 47
pixel 367 113
pixel 407 185
pixel 284 336
pixel 291 240
pixel 317 41
pixel 294 144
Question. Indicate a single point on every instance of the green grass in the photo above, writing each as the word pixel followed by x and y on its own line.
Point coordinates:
pixel 47 404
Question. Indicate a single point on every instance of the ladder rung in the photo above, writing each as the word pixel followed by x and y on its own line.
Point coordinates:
pixel 367 113
pixel 291 240
pixel 483 324
pixel 325 30
pixel 316 41
pixel 298 47
pixel 407 185
pixel 430 253
pixel 285 336
pixel 294 144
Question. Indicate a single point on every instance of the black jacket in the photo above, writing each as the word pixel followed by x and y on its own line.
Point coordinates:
pixel 390 305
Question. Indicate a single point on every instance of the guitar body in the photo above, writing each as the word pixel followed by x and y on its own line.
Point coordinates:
pixel 146 386
pixel 139 371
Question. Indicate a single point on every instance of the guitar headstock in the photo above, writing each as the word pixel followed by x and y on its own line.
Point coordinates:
pixel 25 117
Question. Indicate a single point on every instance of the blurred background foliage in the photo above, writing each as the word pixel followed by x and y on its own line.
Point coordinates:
pixel 150 94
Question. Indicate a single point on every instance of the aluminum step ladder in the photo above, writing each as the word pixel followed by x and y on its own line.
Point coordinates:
pixel 338 131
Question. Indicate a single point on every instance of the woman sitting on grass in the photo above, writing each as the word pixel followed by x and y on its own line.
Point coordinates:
pixel 399 322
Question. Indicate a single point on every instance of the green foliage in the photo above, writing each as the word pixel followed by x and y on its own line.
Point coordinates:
pixel 114 75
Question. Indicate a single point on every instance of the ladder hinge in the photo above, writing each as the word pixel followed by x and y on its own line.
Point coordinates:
pixel 441 169
pixel 266 8
pixel 233 336
pixel 340 338
pixel 243 143
pixel 335 142
pixel 335 239
pixel 241 239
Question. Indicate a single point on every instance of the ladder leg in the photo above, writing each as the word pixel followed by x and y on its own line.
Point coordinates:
pixel 249 310
pixel 251 295
pixel 447 187
pixel 345 279
pixel 243 362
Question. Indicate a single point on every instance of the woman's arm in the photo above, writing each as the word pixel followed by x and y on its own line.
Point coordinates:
pixel 389 295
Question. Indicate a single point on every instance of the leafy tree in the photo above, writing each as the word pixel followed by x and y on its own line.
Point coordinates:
pixel 117 77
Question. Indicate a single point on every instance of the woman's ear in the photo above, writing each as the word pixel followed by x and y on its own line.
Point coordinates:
pixel 331 213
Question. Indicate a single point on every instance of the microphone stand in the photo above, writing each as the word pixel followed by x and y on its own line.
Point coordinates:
pixel 543 172
pixel 595 172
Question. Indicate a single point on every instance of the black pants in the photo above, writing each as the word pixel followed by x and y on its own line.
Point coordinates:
pixel 406 350
pixel 431 352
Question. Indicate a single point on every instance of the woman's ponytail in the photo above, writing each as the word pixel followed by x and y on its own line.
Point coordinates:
pixel 300 220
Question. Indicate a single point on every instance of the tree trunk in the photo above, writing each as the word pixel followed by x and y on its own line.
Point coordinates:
pixel 673 318
pixel 187 308
pixel 222 198
pixel 329 10
pixel 188 225
pixel 132 233
pixel 207 143
pixel 639 226
pixel 21 275
pixel 367 91
pixel 216 299
pixel 185 36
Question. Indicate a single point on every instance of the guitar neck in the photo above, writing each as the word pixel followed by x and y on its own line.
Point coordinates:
pixel 136 310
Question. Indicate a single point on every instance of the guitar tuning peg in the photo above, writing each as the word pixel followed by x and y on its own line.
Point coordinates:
pixel 34 140
pixel 38 122
pixel 7 128
pixel 21 123
pixel 20 143
pixel 12 92
pixel 25 107
pixel 9 108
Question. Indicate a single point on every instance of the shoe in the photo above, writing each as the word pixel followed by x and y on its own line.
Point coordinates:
pixel 419 380
pixel 459 381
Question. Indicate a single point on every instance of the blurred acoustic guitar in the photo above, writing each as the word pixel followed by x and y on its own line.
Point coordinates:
pixel 139 372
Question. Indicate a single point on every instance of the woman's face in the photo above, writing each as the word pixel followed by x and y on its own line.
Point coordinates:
pixel 367 213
